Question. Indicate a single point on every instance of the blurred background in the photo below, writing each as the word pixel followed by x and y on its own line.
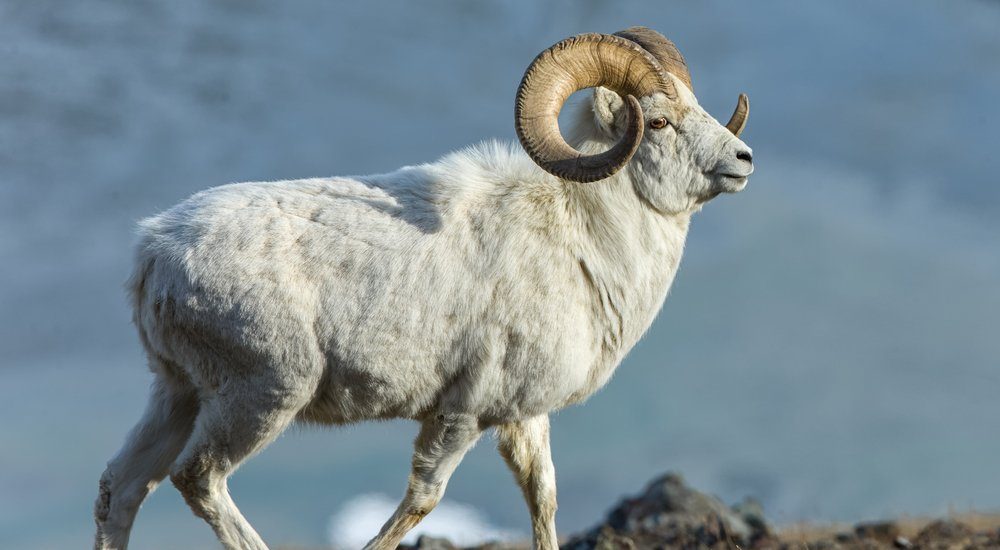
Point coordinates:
pixel 830 345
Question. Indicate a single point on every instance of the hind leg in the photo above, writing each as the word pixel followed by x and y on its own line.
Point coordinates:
pixel 442 443
pixel 143 460
pixel 239 420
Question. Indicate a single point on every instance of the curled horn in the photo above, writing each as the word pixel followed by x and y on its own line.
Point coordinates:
pixel 578 62
pixel 665 51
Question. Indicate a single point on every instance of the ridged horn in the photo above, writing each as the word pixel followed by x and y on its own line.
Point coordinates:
pixel 578 62
pixel 738 121
pixel 665 51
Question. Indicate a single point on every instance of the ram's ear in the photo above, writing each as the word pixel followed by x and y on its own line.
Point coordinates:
pixel 609 113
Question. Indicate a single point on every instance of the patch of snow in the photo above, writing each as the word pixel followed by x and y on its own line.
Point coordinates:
pixel 360 519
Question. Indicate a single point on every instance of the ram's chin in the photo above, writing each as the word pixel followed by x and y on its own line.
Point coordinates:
pixel 723 185
pixel 730 184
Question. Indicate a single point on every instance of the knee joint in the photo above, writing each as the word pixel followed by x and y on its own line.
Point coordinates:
pixel 102 508
pixel 422 502
pixel 190 480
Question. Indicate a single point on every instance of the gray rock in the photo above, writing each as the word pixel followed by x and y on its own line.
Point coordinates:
pixel 669 512
pixel 943 530
pixel 431 543
pixel 882 531
pixel 668 500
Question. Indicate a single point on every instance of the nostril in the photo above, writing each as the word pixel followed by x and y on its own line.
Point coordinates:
pixel 745 155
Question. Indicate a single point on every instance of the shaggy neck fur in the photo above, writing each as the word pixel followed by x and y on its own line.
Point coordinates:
pixel 628 251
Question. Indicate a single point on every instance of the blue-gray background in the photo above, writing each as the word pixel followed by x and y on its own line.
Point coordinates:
pixel 830 345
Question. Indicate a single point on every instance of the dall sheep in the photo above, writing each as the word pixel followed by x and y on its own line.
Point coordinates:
pixel 484 290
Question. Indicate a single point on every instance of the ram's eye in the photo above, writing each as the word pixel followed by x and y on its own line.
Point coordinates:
pixel 658 123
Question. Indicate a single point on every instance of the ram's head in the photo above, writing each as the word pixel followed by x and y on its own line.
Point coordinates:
pixel 677 154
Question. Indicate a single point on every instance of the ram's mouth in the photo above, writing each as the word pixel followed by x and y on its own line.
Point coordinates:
pixel 734 177
pixel 727 183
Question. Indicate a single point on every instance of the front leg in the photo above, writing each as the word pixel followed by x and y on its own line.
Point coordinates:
pixel 442 443
pixel 525 447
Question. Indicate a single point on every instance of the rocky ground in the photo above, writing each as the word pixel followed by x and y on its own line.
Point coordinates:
pixel 669 514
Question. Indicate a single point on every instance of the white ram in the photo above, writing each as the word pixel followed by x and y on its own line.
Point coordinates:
pixel 484 290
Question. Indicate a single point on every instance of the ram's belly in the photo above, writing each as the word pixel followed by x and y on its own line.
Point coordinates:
pixel 349 394
pixel 381 377
pixel 455 364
